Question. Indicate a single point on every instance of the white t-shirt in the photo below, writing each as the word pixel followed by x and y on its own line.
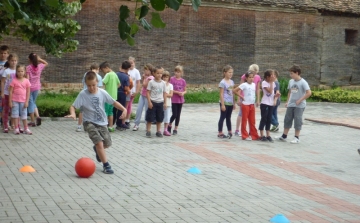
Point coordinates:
pixel 249 93
pixel 268 97
pixel 135 76
pixel 9 75
pixel 157 90
pixel 169 87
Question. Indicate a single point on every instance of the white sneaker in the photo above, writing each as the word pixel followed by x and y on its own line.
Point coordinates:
pixel 295 141
pixel 280 138
pixel 78 129
pixel 248 138
pixel 135 128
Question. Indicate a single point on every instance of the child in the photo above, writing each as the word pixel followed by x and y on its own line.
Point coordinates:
pixel 177 99
pixel 19 94
pixel 169 93
pixel 33 72
pixel 299 91
pixel 7 77
pixel 92 103
pixel 135 77
pixel 227 101
pixel 247 95
pixel 94 68
pixel 111 83
pixel 122 93
pixel 255 69
pixel 156 96
pixel 274 118
pixel 267 104
pixel 143 103
pixel 4 53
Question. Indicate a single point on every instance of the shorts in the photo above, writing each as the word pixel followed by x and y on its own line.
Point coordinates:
pixel 293 113
pixel 109 109
pixel 18 110
pixel 98 133
pixel 157 112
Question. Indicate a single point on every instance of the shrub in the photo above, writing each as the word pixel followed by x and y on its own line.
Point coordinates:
pixel 336 95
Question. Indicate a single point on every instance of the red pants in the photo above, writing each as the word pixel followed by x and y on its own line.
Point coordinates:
pixel 5 112
pixel 248 114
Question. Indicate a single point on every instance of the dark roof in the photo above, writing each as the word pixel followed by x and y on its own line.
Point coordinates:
pixel 338 6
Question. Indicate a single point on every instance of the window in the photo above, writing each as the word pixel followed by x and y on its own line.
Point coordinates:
pixel 351 36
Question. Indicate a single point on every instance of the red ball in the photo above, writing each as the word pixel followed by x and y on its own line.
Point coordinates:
pixel 85 167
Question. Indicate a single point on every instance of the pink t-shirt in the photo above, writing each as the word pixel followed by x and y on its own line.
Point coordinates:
pixel 268 97
pixel 179 85
pixel 19 89
pixel 143 89
pixel 34 74
pixel 256 81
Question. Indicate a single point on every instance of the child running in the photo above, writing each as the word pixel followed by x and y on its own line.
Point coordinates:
pixel 91 102
pixel 7 77
pixel 156 96
pixel 227 101
pixel 247 95
pixel 19 94
pixel 169 93
pixel 177 99
pixel 33 72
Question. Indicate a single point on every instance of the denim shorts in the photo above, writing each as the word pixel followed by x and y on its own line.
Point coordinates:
pixel 18 110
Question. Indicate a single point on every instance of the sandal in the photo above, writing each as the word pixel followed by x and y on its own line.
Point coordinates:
pixel 222 136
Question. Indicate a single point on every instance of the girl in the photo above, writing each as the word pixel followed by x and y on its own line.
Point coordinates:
pixel 227 103
pixel 267 105
pixel 143 103
pixel 169 94
pixel 7 77
pixel 33 72
pixel 19 99
pixel 177 99
pixel 247 95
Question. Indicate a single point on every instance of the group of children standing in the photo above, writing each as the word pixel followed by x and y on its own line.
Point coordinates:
pixel 249 92
pixel 20 86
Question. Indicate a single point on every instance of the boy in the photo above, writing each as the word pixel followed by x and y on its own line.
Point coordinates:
pixel 94 68
pixel 156 95
pixel 122 91
pixel 4 53
pixel 91 102
pixel 111 83
pixel 274 117
pixel 135 77
pixel 299 91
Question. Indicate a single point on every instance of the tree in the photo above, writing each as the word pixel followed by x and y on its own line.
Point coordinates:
pixel 49 23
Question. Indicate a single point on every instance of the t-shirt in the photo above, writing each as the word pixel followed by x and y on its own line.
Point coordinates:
pixel 2 69
pixel 99 78
pixel 157 90
pixel 168 87
pixel 277 88
pixel 179 85
pixel 297 90
pixel 144 90
pixel 111 82
pixel 93 106
pixel 249 93
pixel 124 81
pixel 34 74
pixel 9 75
pixel 228 94
pixel 256 80
pixel 19 89
pixel 135 76
pixel 268 97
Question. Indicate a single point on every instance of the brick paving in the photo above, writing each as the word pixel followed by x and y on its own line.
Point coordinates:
pixel 314 181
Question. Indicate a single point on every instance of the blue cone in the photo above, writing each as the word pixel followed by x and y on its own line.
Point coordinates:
pixel 194 170
pixel 279 218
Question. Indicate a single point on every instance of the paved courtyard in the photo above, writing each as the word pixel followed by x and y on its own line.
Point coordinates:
pixel 317 180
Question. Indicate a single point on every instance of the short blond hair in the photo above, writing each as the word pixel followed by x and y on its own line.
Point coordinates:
pixel 165 74
pixel 131 58
pixel 179 68
pixel 254 67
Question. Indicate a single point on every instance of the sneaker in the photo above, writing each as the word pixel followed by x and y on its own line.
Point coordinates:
pixel 276 128
pixel 169 128
pixel 16 131
pixel 175 132
pixel 248 138
pixel 27 132
pixel 221 136
pixel 263 139
pixel 135 128
pixel 269 139
pixel 158 134
pixel 127 124
pixel 280 138
pixel 148 134
pixel 124 126
pixel 273 128
pixel 21 130
pixel 97 156
pixel 295 141
pixel 108 170
pixel 38 121
pixel 166 133
pixel 78 129
pixel 237 133
pixel 6 130
pixel 111 129
pixel 32 124
pixel 229 135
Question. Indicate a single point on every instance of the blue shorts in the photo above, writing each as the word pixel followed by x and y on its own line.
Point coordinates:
pixel 18 110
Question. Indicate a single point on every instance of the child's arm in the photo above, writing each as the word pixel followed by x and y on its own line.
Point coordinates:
pixel 150 105
pixel 121 108
pixel 258 94
pixel 72 113
pixel 42 61
pixel 3 79
pixel 238 92
pixel 170 94
pixel 146 82
pixel 137 87
pixel 27 97
pixel 222 99
pixel 10 96
pixel 287 99
pixel 306 96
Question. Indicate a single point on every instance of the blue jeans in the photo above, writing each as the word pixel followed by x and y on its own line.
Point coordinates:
pixel 32 100
pixel 141 104
pixel 274 117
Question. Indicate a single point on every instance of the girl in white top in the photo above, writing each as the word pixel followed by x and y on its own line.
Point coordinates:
pixel 247 92
pixel 169 93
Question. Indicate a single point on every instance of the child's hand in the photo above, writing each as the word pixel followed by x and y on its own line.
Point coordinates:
pixel 123 115
pixel 277 95
pixel 223 108
pixel 71 116
pixel 298 102
pixel 10 104
pixel 165 106
pixel 26 105
pixel 234 107
pixel 150 105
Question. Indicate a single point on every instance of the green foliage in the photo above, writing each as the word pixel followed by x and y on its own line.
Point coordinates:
pixel 46 23
pixel 202 96
pixel 336 95
pixel 55 104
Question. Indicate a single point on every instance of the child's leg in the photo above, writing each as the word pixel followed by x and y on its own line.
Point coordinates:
pixel 139 110
pixel 5 114
pixel 274 118
pixel 111 121
pixel 177 120
pixel 129 109
pixel 159 115
pixel 229 110
pixel 288 120
pixel 298 114
pixel 245 116
pixel 80 119
pixel 221 121
pixel 253 131
pixel 101 151
pixel 264 114
pixel 166 118
pixel 149 118
pixel 126 106
pixel 268 120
